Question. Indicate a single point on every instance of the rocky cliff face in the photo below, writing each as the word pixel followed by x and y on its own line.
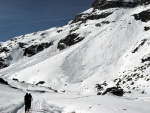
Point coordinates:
pixel 146 2
pixel 105 4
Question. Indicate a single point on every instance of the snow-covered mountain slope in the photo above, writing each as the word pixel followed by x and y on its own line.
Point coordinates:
pixel 107 45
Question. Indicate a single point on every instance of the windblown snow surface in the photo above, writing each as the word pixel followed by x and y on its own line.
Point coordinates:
pixel 62 66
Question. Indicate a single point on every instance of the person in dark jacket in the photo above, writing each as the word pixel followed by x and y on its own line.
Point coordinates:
pixel 30 99
pixel 26 102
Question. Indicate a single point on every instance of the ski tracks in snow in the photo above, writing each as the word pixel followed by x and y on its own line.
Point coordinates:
pixel 41 106
pixel 37 106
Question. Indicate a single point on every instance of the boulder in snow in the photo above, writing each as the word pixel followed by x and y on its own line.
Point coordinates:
pixel 114 90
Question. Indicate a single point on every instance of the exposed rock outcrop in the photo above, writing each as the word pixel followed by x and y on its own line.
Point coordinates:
pixel 69 40
pixel 114 90
pixel 144 16
pixel 34 49
pixel 145 2
pixel 2 63
pixel 2 81
pixel 105 4
pixel 40 82
pixel 84 17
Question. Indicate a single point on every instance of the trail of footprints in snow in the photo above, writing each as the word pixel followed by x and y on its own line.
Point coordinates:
pixel 13 108
pixel 40 106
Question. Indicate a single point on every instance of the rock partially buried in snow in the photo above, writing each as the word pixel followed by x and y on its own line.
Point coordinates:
pixel 2 81
pixel 40 82
pixel 114 90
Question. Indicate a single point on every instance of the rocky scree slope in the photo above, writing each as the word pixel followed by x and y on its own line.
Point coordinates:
pixel 105 46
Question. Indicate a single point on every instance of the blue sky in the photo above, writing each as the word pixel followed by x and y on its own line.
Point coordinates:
pixel 18 17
